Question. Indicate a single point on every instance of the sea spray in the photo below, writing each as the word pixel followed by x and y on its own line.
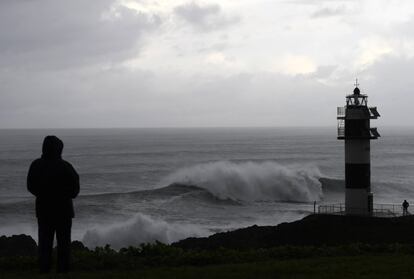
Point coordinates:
pixel 139 229
pixel 250 181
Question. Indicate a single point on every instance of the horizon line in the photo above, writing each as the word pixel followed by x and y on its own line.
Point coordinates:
pixel 187 127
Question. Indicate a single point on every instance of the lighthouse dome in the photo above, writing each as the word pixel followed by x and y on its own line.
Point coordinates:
pixel 357 91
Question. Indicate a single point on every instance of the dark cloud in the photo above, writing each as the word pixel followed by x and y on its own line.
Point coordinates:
pixel 60 67
pixel 213 47
pixel 389 84
pixel 317 2
pixel 204 17
pixel 57 34
pixel 324 71
pixel 122 97
pixel 329 12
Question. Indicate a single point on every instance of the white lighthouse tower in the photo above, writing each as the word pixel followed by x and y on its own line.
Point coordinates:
pixel 354 127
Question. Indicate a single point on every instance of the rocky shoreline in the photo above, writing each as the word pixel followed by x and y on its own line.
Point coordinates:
pixel 313 230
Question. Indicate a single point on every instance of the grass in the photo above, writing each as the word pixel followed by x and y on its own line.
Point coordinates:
pixel 366 266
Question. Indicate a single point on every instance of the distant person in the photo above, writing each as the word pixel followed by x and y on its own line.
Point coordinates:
pixel 55 183
pixel 405 206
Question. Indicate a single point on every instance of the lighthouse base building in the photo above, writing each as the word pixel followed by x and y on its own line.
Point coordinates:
pixel 354 128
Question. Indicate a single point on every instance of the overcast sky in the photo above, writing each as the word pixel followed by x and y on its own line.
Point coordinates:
pixel 164 63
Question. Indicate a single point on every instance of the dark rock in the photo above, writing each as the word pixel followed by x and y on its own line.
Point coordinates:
pixel 17 245
pixel 311 230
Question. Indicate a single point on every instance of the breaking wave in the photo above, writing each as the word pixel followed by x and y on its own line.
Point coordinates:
pixel 139 229
pixel 249 181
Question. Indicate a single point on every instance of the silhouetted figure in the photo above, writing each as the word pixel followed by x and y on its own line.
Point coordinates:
pixel 405 206
pixel 55 183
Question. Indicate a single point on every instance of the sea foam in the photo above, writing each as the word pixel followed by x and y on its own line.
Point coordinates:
pixel 250 181
pixel 139 229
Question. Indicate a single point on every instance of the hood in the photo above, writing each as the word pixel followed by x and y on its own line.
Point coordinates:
pixel 52 148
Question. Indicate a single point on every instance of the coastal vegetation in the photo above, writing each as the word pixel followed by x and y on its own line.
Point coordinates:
pixel 187 259
pixel 159 261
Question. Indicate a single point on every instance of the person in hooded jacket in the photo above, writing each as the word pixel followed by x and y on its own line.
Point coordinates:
pixel 55 183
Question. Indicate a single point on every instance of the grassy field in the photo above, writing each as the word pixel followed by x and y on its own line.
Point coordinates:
pixel 366 266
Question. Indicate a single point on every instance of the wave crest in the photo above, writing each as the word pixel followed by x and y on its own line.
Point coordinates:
pixel 249 181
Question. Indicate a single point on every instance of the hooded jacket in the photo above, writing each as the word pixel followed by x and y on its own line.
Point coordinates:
pixel 53 181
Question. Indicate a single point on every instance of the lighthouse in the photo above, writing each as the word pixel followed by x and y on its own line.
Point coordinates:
pixel 354 128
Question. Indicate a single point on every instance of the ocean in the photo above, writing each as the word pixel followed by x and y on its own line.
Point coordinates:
pixel 166 184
